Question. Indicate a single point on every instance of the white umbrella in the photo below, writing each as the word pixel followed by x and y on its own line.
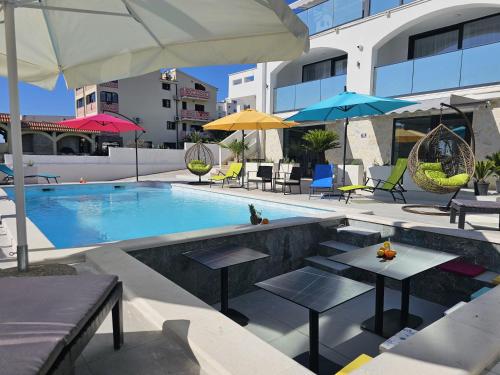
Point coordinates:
pixel 95 41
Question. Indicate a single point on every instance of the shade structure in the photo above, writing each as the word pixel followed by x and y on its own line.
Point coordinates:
pixel 103 123
pixel 347 105
pixel 249 119
pixel 40 39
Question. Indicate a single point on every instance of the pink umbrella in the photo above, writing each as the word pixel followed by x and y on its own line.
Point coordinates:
pixel 106 124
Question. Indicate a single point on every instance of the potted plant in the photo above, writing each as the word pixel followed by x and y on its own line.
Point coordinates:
pixel 254 215
pixel 236 148
pixel 495 158
pixel 318 141
pixel 483 170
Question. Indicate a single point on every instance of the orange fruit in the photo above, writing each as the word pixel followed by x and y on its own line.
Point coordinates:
pixel 265 221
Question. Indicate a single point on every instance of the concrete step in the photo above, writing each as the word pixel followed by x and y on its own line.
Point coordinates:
pixel 333 247
pixel 357 236
pixel 325 264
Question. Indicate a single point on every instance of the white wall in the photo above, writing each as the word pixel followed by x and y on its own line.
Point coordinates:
pixel 119 164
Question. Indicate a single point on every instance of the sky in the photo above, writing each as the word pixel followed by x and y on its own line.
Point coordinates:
pixel 60 101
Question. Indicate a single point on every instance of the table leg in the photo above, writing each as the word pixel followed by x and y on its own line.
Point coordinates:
pixel 461 219
pixel 453 215
pixel 224 292
pixel 379 305
pixel 313 341
pixel 405 301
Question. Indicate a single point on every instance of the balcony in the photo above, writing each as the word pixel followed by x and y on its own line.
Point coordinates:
pixel 464 68
pixel 190 93
pixel 111 84
pixel 188 114
pixel 301 95
pixel 108 106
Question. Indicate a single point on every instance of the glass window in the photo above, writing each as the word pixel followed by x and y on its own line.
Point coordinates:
pixel 345 11
pixel 483 31
pixel 79 103
pixel 237 81
pixel 319 70
pixel 108 97
pixel 321 17
pixel 340 67
pixel 377 6
pixel 249 79
pixel 165 86
pixel 184 105
pixel 166 103
pixel 199 107
pixel 90 98
pixel 171 125
pixel 199 86
pixel 184 126
pixel 435 44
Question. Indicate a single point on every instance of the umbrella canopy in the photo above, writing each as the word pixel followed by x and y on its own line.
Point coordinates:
pixel 96 41
pixel 102 122
pixel 249 119
pixel 408 135
pixel 347 105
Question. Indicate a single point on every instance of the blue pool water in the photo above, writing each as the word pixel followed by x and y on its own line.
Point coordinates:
pixel 87 214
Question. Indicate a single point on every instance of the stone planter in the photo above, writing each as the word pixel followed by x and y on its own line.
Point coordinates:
pixel 482 188
pixel 354 174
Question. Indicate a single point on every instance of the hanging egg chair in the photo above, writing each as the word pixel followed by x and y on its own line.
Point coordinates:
pixel 199 160
pixel 441 162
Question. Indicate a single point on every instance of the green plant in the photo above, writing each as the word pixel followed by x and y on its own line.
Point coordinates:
pixel 319 141
pixel 236 147
pixel 495 158
pixel 484 169
pixel 195 137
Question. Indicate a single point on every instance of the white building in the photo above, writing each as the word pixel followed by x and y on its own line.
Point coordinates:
pixel 429 51
pixel 169 105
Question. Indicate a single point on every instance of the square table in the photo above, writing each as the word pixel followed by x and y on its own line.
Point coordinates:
pixel 317 291
pixel 409 261
pixel 221 258
pixel 465 206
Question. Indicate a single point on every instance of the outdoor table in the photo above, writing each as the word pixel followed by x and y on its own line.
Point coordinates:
pixel 409 261
pixel 221 258
pixel 464 206
pixel 317 291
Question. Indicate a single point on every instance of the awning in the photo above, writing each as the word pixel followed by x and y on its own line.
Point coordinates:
pixel 462 102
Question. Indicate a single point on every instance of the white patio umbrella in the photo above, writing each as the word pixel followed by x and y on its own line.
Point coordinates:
pixel 95 41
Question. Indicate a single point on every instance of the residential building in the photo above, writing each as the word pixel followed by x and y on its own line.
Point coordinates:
pixel 242 88
pixel 428 51
pixel 169 105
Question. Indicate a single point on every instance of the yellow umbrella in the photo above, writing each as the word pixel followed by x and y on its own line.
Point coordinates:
pixel 249 119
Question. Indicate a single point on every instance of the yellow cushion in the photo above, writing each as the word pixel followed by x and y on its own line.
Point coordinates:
pixel 496 280
pixel 352 187
pixel 363 359
pixel 431 167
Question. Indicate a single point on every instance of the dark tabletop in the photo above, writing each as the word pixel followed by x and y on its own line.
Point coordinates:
pixel 224 256
pixel 409 261
pixel 476 204
pixel 314 289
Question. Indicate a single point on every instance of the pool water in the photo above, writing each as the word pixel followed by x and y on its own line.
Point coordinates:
pixel 77 215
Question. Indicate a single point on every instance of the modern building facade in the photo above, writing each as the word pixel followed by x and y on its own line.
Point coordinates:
pixel 169 105
pixel 429 51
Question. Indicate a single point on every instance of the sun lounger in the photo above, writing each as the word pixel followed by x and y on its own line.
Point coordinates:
pixel 322 179
pixel 10 175
pixel 46 322
pixel 233 173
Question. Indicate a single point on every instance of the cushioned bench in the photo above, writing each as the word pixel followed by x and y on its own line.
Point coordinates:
pixel 46 322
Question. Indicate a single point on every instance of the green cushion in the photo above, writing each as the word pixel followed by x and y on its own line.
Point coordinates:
pixel 354 187
pixel 431 166
pixel 434 175
pixel 457 180
pixel 199 167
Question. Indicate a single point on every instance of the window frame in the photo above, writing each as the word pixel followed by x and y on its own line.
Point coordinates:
pixel 196 106
pixel 171 125
pixel 165 86
pixel 332 61
pixel 166 103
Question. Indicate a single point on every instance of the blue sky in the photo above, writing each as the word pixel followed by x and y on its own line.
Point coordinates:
pixel 60 101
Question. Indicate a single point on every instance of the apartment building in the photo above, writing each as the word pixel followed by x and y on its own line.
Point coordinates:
pixel 429 51
pixel 169 105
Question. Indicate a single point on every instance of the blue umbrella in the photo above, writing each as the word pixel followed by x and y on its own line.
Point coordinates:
pixel 346 105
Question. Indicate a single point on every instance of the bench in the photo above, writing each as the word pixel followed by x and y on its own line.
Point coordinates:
pixel 463 207
pixel 46 322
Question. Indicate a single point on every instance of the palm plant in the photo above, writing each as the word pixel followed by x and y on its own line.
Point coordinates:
pixel 495 158
pixel 318 141
pixel 484 169
pixel 195 137
pixel 236 147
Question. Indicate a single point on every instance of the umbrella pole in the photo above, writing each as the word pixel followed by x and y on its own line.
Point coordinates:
pixel 136 158
pixel 16 136
pixel 243 157
pixel 345 150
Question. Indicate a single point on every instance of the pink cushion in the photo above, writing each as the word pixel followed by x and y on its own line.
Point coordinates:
pixel 462 268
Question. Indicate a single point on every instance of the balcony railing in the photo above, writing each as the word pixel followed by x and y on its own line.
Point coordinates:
pixel 112 84
pixel 464 68
pixel 188 92
pixel 187 114
pixel 301 95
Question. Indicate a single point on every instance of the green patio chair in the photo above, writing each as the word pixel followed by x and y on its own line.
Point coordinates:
pixel 391 185
pixel 233 173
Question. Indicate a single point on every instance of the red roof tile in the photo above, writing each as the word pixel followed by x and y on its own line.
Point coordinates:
pixel 44 125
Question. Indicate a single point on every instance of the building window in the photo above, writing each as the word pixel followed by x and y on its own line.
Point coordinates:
pixel 324 69
pixel 171 125
pixel 483 31
pixel 237 82
pixel 443 42
pixel 184 126
pixel 184 105
pixel 196 128
pixel 109 97
pixel 246 106
pixel 199 107
pixel 407 131
pixel 249 79
pixel 90 98
pixel 79 103
pixel 199 86
pixel 165 86
pixel 166 103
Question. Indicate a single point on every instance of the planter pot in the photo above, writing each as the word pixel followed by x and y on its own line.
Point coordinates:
pixel 498 185
pixel 255 220
pixel 482 188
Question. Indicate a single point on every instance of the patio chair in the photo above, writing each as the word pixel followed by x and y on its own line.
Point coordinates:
pixel 392 185
pixel 264 175
pixel 233 173
pixel 10 175
pixel 322 179
pixel 47 321
pixel 289 179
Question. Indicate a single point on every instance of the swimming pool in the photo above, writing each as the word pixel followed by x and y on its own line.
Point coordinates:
pixel 77 215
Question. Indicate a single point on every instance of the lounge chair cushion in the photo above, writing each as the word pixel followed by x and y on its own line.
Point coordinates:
pixel 442 179
pixel 431 167
pixel 354 187
pixel 39 316
pixel 198 166
pixel 354 365
pixel 462 268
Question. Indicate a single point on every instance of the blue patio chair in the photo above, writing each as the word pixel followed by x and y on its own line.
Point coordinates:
pixel 322 178
pixel 10 175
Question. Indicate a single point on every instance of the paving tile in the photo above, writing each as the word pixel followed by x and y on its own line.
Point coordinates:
pixel 266 327
pixel 495 369
pixel 82 369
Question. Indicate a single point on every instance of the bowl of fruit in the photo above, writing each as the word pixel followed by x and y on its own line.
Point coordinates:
pixel 386 252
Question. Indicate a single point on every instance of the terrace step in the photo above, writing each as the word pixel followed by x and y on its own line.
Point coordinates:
pixel 325 264
pixel 357 236
pixel 332 247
